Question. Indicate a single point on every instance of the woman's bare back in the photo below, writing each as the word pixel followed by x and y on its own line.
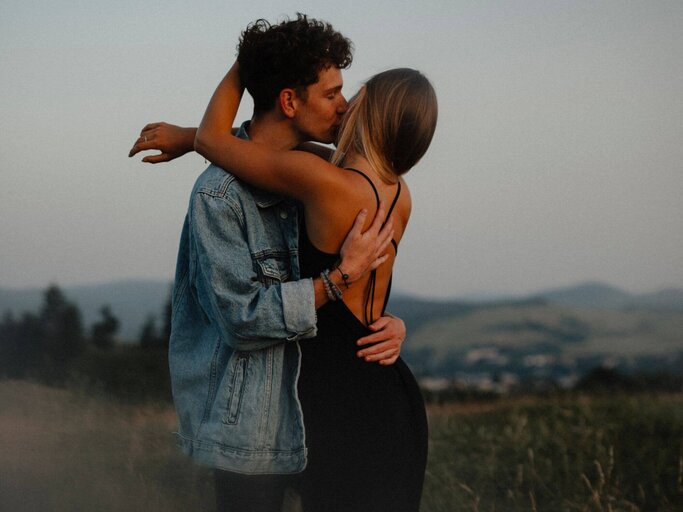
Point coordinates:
pixel 328 219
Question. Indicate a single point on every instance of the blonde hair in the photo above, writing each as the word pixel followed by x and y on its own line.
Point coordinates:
pixel 391 122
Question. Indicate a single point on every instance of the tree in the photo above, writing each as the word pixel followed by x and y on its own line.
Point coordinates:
pixel 103 331
pixel 148 334
pixel 9 347
pixel 62 332
pixel 22 345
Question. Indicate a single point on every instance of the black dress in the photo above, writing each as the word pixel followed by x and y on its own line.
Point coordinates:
pixel 366 428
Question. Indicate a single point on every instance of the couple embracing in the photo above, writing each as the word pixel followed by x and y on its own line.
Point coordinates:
pixel 285 366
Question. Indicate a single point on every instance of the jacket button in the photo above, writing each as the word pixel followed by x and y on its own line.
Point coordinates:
pixel 283 214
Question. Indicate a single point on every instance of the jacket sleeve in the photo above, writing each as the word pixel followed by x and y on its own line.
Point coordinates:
pixel 250 315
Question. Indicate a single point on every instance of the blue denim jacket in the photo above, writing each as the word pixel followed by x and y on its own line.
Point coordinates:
pixel 238 310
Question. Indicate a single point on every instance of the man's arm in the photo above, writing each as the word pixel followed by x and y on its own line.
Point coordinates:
pixel 360 253
pixel 253 315
pixel 386 341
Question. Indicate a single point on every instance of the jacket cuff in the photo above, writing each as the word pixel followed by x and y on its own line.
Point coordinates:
pixel 298 305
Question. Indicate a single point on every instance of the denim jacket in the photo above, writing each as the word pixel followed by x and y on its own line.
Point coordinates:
pixel 238 310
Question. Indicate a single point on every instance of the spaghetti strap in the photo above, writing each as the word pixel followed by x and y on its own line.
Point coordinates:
pixel 374 189
pixel 393 203
pixel 370 297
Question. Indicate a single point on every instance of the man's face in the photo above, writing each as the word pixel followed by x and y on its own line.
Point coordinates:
pixel 319 115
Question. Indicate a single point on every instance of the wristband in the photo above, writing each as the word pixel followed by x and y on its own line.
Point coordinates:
pixel 344 276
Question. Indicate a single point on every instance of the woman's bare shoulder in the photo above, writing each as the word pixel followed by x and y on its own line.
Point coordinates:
pixel 331 213
pixel 407 200
pixel 325 177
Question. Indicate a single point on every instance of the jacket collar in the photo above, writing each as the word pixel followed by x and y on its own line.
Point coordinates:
pixel 263 198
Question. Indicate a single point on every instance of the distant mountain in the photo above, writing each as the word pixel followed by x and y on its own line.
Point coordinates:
pixel 589 295
pixel 131 301
pixel 597 295
pixel 416 312
pixel 669 299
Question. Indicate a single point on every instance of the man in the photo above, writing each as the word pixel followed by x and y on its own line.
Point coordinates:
pixel 239 306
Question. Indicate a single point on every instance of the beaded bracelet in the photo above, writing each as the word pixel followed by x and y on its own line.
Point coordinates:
pixel 333 287
pixel 326 285
pixel 332 290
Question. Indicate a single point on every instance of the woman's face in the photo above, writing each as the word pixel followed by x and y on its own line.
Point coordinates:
pixel 319 115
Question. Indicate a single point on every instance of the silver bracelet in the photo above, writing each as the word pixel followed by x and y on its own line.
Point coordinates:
pixel 326 285
pixel 332 290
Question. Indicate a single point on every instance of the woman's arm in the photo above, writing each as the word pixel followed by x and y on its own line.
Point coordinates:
pixel 323 152
pixel 294 173
pixel 173 141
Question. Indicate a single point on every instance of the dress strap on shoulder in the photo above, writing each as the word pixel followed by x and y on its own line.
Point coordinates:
pixel 374 189
pixel 393 203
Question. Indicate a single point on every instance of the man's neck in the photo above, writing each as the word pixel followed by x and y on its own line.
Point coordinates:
pixel 273 129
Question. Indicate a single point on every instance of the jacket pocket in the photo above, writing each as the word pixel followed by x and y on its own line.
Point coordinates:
pixel 272 270
pixel 237 385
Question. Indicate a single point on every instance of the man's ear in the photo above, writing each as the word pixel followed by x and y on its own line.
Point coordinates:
pixel 288 102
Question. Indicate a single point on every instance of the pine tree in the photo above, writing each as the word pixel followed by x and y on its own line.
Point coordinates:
pixel 103 331
pixel 148 334
pixel 62 333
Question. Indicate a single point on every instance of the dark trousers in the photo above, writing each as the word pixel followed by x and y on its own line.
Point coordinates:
pixel 250 493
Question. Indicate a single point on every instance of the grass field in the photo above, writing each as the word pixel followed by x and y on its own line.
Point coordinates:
pixel 572 454
pixel 66 451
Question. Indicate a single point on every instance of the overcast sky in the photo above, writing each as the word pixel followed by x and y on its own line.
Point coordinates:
pixel 557 157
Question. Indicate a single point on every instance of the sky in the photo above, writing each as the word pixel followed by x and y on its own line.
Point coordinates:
pixel 557 157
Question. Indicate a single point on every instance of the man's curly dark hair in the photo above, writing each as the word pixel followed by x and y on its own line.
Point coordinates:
pixel 289 54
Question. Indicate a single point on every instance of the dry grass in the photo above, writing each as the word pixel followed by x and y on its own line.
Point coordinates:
pixel 63 451
pixel 66 451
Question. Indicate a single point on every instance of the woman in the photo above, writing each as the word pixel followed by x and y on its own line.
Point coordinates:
pixel 365 425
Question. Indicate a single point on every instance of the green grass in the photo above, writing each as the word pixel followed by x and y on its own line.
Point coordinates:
pixel 571 454
pixel 67 451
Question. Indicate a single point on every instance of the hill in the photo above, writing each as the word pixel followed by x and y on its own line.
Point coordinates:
pixel 603 296
pixel 542 340
pixel 589 320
